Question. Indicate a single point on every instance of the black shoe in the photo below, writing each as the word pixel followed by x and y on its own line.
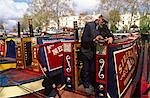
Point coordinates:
pixel 86 85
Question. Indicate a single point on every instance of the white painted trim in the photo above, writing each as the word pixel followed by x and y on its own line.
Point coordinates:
pixel 13 91
pixel 55 68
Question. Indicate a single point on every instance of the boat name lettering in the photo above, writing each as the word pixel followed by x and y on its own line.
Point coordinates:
pixel 56 50
pixel 127 62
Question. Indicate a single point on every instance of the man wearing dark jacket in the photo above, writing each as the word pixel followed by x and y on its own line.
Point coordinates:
pixel 92 31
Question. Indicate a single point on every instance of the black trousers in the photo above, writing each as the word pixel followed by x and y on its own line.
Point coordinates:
pixel 88 71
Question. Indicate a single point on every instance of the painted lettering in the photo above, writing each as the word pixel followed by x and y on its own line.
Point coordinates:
pixel 60 48
pixel 56 50
pixel 49 48
pixel 127 61
pixel 120 69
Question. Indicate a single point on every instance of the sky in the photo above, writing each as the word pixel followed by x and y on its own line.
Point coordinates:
pixel 12 10
pixel 84 5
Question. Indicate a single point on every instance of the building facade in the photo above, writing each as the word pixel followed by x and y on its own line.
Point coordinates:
pixel 127 20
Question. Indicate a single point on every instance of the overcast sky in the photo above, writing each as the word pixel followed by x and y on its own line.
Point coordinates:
pixel 12 10
pixel 84 5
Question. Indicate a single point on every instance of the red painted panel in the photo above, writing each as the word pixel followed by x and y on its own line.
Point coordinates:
pixel 2 47
pixel 68 59
pixel 125 64
pixel 54 55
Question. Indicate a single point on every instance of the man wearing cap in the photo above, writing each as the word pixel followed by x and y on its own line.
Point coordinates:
pixel 93 31
pixel 104 31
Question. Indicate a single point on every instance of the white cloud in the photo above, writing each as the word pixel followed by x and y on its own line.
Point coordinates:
pixel 85 5
pixel 10 10
pixel 10 23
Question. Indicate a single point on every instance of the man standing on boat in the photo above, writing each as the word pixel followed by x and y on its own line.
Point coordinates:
pixel 93 31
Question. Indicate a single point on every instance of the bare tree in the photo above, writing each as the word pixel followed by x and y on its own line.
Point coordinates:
pixel 132 7
pixel 24 22
pixel 136 6
pixel 144 6
pixel 113 8
pixel 108 5
pixel 44 10
pixel 124 6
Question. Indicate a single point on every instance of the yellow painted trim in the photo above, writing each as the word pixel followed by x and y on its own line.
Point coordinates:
pixel 76 46
pixel 7 66
pixel 27 39
pixel 8 39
